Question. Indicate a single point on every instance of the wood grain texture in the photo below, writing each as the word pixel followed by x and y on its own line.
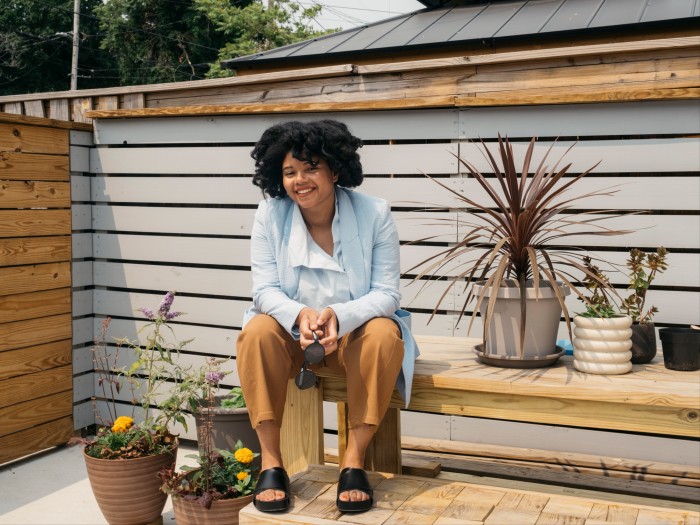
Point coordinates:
pixel 25 388
pixel 414 500
pixel 33 166
pixel 21 334
pixel 35 277
pixel 34 250
pixel 53 122
pixel 34 194
pixel 26 223
pixel 34 359
pixel 303 416
pixel 36 438
pixel 22 138
pixel 26 415
pixel 33 305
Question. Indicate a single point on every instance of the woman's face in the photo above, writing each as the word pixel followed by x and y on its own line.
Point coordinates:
pixel 310 184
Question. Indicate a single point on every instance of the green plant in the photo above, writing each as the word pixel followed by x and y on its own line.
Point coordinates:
pixel 643 268
pixel 219 474
pixel 153 371
pixel 598 304
pixel 515 233
pixel 234 399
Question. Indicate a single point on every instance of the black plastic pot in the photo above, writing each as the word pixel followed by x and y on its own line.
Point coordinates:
pixel 643 343
pixel 681 347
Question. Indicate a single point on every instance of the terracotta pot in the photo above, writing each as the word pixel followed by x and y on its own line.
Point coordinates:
pixel 128 490
pixel 681 347
pixel 222 512
pixel 643 343
pixel 602 346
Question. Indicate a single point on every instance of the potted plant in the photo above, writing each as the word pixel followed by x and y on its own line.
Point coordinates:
pixel 220 485
pixel 643 269
pixel 520 278
pixel 602 337
pixel 124 458
pixel 227 412
pixel 681 348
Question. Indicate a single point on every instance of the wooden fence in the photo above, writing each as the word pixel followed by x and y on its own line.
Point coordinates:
pixel 172 206
pixel 36 377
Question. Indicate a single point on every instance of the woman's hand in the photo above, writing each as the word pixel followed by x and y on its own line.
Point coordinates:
pixel 324 324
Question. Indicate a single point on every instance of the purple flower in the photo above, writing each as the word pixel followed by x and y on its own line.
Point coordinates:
pixel 165 304
pixel 214 378
pixel 173 315
pixel 148 313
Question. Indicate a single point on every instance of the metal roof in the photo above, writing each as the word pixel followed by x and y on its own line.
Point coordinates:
pixel 458 22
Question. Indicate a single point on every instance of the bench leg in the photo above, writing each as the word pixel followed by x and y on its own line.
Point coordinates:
pixel 384 452
pixel 301 438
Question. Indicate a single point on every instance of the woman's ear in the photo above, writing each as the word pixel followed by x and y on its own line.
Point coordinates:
pixel 335 177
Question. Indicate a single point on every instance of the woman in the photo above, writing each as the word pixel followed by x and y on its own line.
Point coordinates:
pixel 325 262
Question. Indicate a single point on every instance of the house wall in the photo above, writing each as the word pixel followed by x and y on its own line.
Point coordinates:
pixel 171 206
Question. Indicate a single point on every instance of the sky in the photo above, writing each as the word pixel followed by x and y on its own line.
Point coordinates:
pixel 352 13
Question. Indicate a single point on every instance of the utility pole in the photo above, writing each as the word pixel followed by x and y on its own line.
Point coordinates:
pixel 76 43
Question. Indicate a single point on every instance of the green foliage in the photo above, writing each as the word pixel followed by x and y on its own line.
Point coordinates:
pixel 598 303
pixel 643 269
pixel 234 399
pixel 253 28
pixel 36 47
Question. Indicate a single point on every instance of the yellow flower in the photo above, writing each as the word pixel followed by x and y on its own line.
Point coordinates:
pixel 244 455
pixel 242 475
pixel 122 424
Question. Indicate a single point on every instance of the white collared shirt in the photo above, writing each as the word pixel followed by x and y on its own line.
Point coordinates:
pixel 322 278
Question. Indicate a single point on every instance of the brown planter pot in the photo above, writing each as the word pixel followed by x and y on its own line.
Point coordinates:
pixel 128 490
pixel 643 343
pixel 228 426
pixel 222 512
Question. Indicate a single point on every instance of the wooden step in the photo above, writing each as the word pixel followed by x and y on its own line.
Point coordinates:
pixel 416 500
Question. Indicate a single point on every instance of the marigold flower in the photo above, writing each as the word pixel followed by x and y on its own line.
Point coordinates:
pixel 122 424
pixel 242 475
pixel 243 455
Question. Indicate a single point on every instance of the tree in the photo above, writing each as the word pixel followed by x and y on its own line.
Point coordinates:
pixel 253 28
pixel 36 42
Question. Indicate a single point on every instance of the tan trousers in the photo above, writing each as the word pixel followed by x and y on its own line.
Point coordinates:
pixel 370 358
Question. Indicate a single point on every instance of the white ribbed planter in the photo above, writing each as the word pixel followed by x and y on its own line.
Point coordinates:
pixel 602 346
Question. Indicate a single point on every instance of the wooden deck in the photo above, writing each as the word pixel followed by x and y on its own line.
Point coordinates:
pixel 419 501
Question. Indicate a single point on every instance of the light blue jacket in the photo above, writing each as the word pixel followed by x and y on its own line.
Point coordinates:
pixel 370 246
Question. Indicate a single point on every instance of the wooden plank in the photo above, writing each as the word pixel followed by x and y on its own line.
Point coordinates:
pixel 37 438
pixel 31 194
pixel 21 334
pixel 44 409
pixel 13 107
pixel 33 305
pixel 604 95
pixel 34 250
pixel 33 278
pixel 532 55
pixel 35 359
pixel 81 106
pixel 59 108
pixel 280 107
pixel 33 139
pixel 31 166
pixel 34 108
pixel 31 223
pixel 27 387
pixel 133 100
pixel 303 416
pixel 109 102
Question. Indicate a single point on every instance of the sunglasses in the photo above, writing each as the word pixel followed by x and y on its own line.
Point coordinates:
pixel 314 353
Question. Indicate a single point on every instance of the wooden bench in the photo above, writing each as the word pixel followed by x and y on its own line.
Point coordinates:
pixel 418 501
pixel 448 379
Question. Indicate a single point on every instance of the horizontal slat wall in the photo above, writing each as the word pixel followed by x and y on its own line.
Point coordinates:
pixel 36 374
pixel 172 210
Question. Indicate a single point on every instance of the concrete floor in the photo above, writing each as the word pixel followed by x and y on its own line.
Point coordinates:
pixel 52 488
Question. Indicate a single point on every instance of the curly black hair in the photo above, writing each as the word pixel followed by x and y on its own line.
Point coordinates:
pixel 328 139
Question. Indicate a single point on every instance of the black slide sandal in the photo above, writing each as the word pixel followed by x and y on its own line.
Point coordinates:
pixel 354 479
pixel 275 478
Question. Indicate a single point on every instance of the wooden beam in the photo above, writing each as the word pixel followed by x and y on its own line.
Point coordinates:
pixel 277 76
pixel 286 107
pixel 28 120
pixel 626 95
pixel 532 55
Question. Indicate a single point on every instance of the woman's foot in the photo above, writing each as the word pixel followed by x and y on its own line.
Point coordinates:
pixel 354 491
pixel 272 491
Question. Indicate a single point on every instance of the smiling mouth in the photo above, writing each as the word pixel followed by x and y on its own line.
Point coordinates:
pixel 304 192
